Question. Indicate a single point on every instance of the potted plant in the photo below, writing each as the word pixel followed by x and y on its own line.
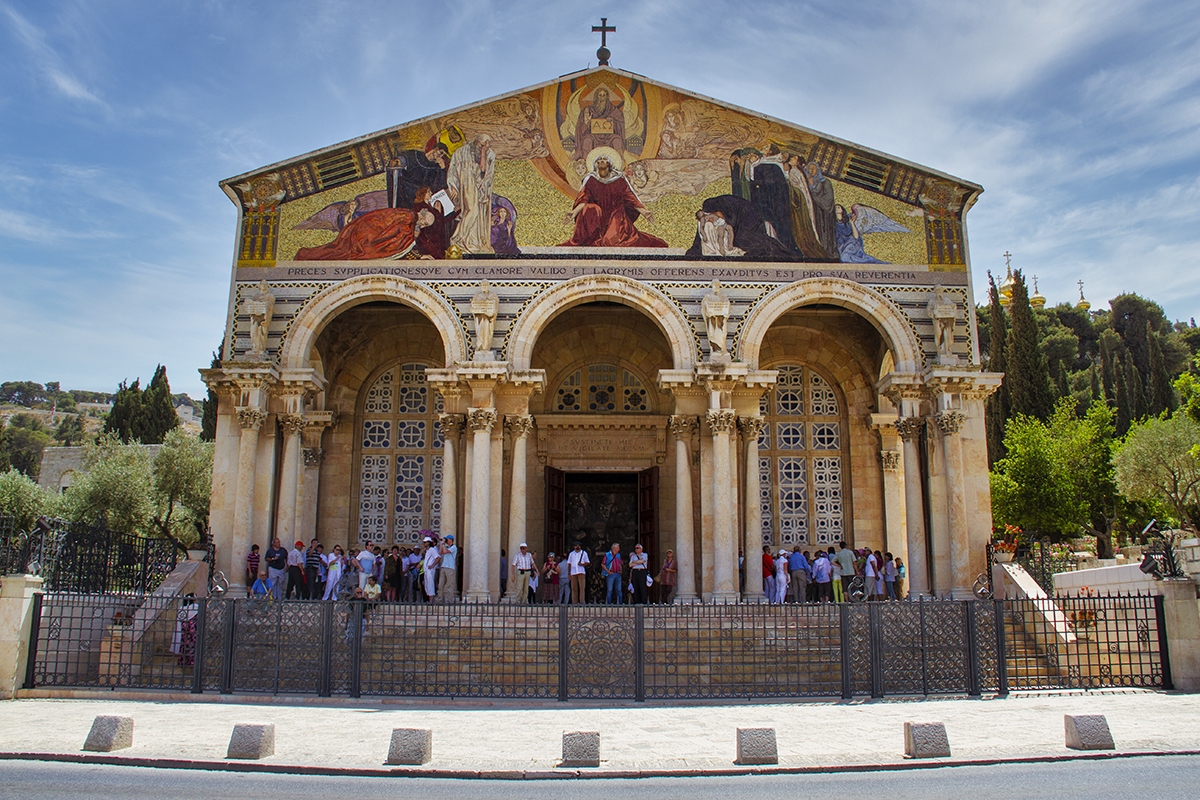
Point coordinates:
pixel 1004 545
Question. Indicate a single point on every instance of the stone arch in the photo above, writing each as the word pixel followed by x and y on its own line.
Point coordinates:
pixel 882 313
pixel 353 292
pixel 669 318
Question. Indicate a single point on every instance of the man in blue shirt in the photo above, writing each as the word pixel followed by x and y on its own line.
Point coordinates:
pixel 798 567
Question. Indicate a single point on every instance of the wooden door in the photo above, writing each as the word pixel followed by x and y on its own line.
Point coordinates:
pixel 648 512
pixel 556 509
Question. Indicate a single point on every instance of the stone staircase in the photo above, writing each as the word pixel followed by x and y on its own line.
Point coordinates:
pixel 1028 665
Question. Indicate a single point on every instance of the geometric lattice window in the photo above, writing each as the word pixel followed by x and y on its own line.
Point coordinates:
pixel 801 458
pixel 400 457
pixel 602 389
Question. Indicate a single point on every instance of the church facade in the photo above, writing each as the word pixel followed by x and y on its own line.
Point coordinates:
pixel 604 310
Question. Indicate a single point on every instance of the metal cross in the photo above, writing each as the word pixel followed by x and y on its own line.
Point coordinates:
pixel 1008 259
pixel 1080 289
pixel 603 29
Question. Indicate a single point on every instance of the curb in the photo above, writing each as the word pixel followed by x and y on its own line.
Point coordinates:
pixel 567 774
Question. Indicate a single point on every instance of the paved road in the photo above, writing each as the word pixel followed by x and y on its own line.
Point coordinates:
pixel 1143 777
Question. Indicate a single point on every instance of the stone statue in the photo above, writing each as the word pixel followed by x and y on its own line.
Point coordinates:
pixel 715 307
pixel 484 306
pixel 944 313
pixel 260 306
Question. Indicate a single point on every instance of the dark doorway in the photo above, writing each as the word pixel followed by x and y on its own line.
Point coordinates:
pixel 599 509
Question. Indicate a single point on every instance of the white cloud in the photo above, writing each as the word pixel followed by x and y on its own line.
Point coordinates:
pixel 46 59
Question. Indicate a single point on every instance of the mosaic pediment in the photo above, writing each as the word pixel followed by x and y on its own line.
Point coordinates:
pixel 601 163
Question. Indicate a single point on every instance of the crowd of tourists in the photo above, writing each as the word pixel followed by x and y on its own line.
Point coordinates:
pixel 831 575
pixel 429 573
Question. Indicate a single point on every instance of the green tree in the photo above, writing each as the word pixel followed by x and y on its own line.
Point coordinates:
pixel 1188 386
pixel 20 497
pixel 208 421
pixel 1108 372
pixel 1131 314
pixel 134 491
pixel 1138 407
pixel 1162 394
pixel 1028 375
pixel 1058 475
pixel 1157 463
pixel 125 419
pixel 159 412
pixel 997 407
pixel 1123 407
pixel 21 444
pixel 22 393
pixel 70 431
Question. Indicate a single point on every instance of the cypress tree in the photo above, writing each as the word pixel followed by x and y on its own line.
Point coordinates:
pixel 1029 377
pixel 208 420
pixel 160 415
pixel 1064 386
pixel 1137 391
pixel 1096 395
pixel 998 405
pixel 1162 392
pixel 1124 413
pixel 125 417
pixel 1108 373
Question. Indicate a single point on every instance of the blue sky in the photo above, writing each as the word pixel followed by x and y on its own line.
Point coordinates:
pixel 119 117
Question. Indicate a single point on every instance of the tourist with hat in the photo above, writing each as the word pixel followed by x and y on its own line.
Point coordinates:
pixel 522 571
pixel 550 579
pixel 295 573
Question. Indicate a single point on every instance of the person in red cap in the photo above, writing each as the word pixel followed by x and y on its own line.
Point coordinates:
pixel 295 562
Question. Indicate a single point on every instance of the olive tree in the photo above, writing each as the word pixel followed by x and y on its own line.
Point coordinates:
pixel 1157 462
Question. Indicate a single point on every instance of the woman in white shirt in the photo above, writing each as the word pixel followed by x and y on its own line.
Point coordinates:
pixel 334 562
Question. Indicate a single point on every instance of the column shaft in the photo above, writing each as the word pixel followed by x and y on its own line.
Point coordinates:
pixel 725 579
pixel 753 538
pixel 685 542
pixel 520 427
pixel 481 421
pixel 909 429
pixel 961 579
pixel 452 426
pixel 289 479
pixel 250 420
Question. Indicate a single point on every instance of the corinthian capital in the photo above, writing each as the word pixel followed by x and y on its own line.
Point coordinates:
pixel 452 425
pixel 481 419
pixel 910 428
pixel 293 424
pixel 722 420
pixel 751 427
pixel 519 425
pixel 950 422
pixel 251 418
pixel 683 426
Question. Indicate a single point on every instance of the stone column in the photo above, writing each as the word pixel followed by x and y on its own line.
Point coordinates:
pixel 289 478
pixel 519 426
pixel 725 578
pixel 481 421
pixel 452 428
pixel 1183 632
pixel 961 579
pixel 251 421
pixel 682 427
pixel 751 427
pixel 909 429
pixel 893 503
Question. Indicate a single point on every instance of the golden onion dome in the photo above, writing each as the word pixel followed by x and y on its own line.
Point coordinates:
pixel 1037 300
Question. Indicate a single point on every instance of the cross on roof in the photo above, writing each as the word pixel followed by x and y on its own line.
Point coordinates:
pixel 1008 259
pixel 603 29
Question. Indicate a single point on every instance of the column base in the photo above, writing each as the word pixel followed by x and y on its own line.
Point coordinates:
pixel 726 598
pixel 962 594
pixel 510 599
pixel 477 597
pixel 754 597
pixel 686 600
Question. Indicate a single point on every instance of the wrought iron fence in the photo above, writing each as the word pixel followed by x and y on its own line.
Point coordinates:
pixel 1040 561
pixel 78 557
pixel 358 649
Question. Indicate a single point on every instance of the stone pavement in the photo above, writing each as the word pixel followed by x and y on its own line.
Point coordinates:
pixel 524 739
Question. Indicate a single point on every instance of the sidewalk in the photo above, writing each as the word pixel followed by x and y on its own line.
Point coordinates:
pixel 521 739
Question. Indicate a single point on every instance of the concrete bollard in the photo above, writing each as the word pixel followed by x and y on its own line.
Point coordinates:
pixel 1088 732
pixel 926 740
pixel 580 749
pixel 252 741
pixel 410 746
pixel 109 733
pixel 756 746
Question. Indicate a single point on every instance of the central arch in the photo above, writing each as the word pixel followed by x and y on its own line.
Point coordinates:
pixel 882 313
pixel 588 288
pixel 330 302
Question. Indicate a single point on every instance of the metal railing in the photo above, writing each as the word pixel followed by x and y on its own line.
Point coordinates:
pixel 353 648
pixel 1039 560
